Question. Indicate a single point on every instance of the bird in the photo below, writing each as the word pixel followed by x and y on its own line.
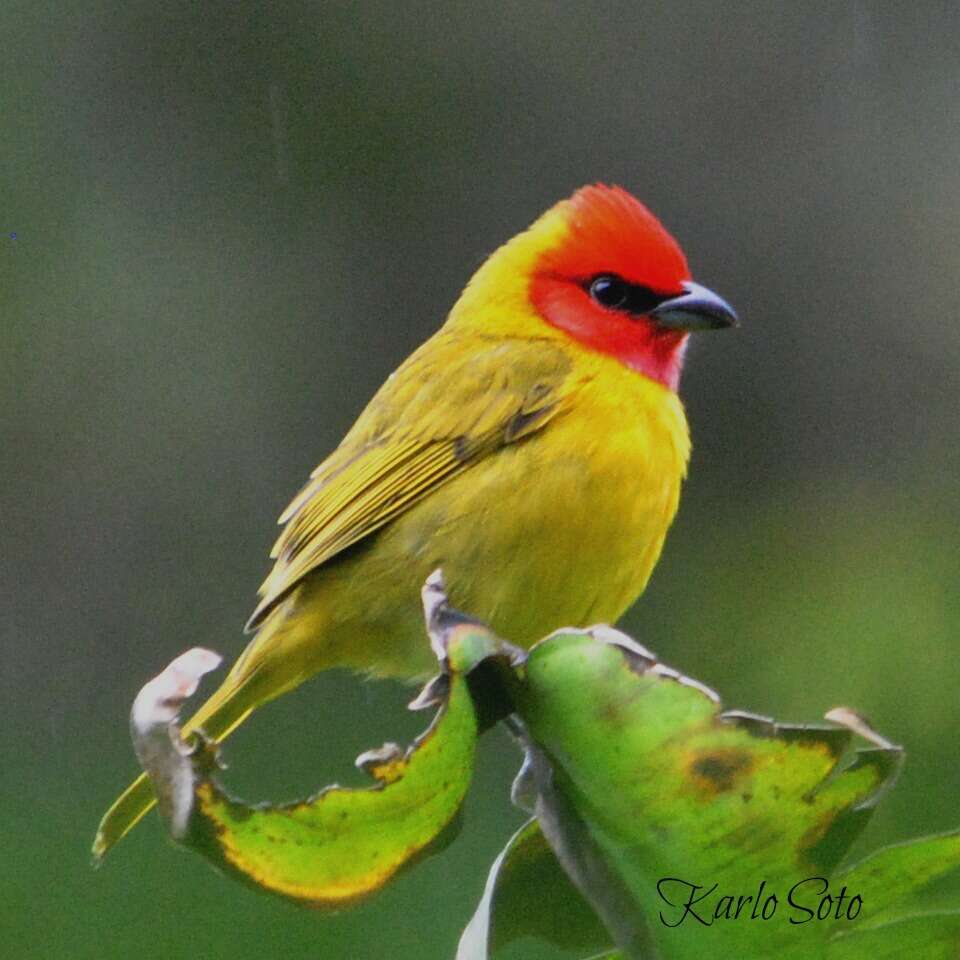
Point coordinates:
pixel 533 449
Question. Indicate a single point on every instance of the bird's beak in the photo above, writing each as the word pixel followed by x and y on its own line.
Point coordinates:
pixel 697 308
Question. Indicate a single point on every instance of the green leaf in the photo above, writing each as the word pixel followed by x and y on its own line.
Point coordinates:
pixel 888 877
pixel 341 844
pixel 528 895
pixel 931 936
pixel 344 844
pixel 677 797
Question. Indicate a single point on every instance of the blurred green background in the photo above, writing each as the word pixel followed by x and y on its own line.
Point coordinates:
pixel 234 219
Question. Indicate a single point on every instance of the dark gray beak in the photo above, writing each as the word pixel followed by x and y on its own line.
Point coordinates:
pixel 697 308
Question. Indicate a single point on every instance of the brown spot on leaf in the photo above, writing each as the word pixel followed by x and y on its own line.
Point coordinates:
pixel 716 771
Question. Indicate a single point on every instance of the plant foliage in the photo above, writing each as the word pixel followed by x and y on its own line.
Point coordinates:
pixel 661 826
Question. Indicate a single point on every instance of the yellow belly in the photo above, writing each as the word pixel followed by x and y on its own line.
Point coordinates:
pixel 561 529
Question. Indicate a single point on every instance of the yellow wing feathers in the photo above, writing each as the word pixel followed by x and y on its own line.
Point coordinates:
pixel 437 415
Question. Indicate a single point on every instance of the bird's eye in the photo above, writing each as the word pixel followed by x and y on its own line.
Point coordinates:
pixel 609 291
pixel 615 293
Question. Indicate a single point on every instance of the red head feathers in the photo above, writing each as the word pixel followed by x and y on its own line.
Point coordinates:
pixel 618 283
pixel 613 232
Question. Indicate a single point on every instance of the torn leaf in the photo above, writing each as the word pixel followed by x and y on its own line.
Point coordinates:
pixel 333 848
pixel 156 736
pixel 678 797
pixel 343 844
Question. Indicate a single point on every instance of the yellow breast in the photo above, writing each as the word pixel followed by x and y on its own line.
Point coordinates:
pixel 566 527
pixel 560 529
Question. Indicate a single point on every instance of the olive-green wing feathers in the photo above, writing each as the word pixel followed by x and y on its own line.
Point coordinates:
pixel 452 403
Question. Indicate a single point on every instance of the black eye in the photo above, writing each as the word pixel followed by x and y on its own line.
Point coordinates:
pixel 615 293
pixel 609 291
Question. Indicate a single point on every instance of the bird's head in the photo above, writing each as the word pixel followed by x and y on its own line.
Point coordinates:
pixel 600 268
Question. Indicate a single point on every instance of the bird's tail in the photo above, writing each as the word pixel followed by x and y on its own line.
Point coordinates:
pixel 234 701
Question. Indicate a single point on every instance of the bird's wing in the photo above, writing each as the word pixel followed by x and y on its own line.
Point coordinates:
pixel 450 404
